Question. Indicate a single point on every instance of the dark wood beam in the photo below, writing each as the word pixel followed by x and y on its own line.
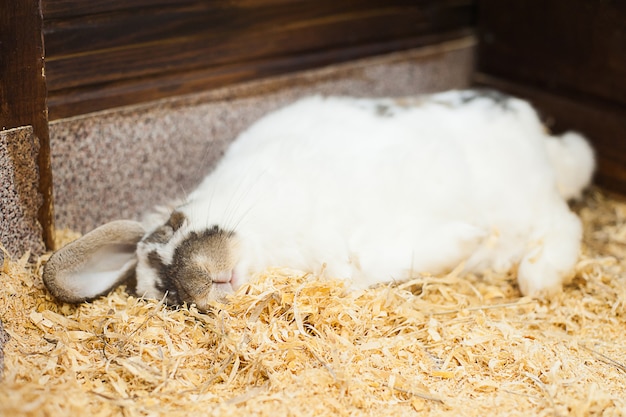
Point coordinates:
pixel 23 90
pixel 103 54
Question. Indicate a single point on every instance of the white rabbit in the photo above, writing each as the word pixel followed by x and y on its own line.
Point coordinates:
pixel 372 190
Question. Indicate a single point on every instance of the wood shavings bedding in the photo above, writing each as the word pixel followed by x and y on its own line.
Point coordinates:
pixel 295 344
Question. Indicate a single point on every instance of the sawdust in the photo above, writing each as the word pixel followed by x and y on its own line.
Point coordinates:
pixel 295 344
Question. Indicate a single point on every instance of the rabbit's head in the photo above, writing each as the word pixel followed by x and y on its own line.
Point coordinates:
pixel 174 261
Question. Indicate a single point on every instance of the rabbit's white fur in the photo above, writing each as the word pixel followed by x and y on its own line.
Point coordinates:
pixel 374 190
pixel 573 161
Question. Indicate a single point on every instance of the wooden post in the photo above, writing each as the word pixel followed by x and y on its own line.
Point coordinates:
pixel 23 90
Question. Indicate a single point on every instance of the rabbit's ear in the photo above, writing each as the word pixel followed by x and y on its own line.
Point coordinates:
pixel 94 264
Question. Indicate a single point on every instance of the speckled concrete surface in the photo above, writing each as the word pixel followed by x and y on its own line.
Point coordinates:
pixel 19 194
pixel 118 164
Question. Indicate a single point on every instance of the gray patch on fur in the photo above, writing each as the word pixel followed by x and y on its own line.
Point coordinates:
pixel 384 110
pixel 496 97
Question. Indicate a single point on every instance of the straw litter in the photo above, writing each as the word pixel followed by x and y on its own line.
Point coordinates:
pixel 295 344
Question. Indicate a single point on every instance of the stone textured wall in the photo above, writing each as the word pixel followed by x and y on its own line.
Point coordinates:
pixel 19 194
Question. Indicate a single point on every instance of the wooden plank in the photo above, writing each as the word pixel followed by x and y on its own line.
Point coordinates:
pixel 243 37
pixel 604 123
pixel 151 59
pixel 63 9
pixel 84 100
pixel 91 34
pixel 567 45
pixel 22 86
pixel 177 24
pixel 23 90
pixel 126 53
pixel 55 9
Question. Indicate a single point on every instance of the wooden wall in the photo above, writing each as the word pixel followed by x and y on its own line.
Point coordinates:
pixel 106 53
pixel 569 58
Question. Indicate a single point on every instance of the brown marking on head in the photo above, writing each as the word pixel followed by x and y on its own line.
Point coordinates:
pixel 199 261
pixel 201 265
pixel 164 233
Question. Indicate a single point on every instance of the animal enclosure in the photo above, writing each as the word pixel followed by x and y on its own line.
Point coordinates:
pixel 110 107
